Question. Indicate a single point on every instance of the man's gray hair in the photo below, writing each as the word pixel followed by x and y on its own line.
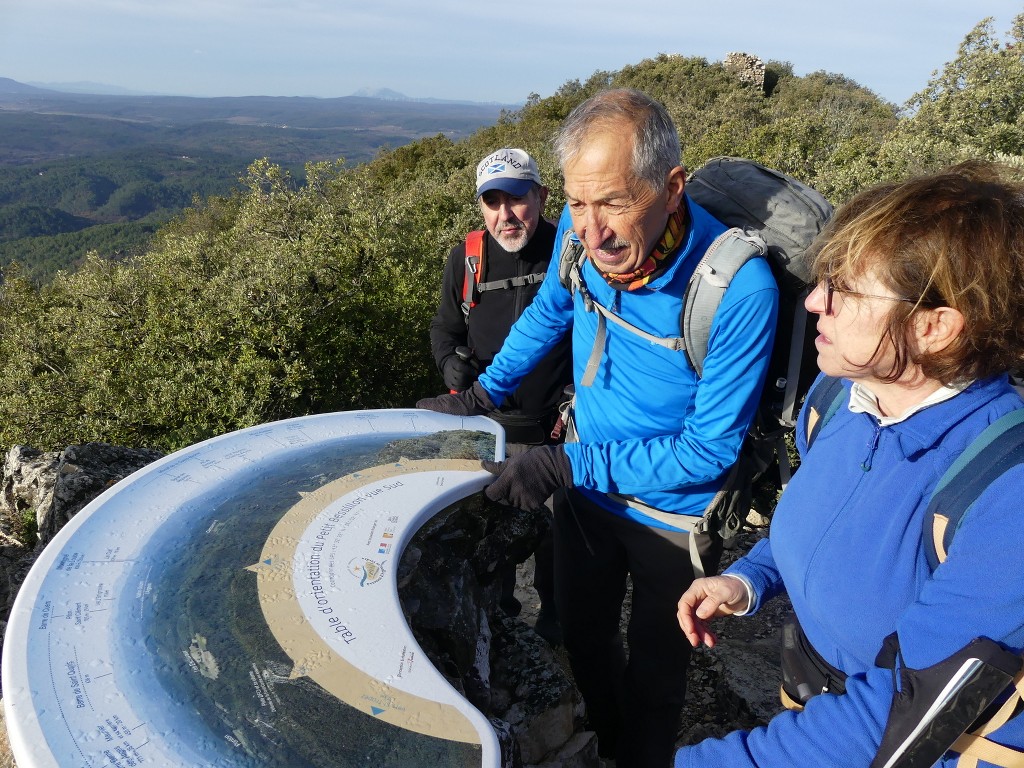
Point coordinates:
pixel 655 140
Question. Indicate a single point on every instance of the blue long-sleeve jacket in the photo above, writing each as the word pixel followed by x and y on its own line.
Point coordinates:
pixel 648 426
pixel 846 547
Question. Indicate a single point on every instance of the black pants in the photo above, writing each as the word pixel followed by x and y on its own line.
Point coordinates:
pixel 633 700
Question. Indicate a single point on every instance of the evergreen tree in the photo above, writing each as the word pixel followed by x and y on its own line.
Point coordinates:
pixel 972 108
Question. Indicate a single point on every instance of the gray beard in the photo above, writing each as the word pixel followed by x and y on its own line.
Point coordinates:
pixel 513 244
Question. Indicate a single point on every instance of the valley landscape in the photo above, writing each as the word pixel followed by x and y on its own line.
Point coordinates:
pixel 82 172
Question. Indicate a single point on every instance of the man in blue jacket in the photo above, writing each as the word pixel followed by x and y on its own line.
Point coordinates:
pixel 654 440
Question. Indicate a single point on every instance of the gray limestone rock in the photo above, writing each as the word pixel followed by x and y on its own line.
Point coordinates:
pixel 58 484
pixel 29 478
pixel 51 486
pixel 450 585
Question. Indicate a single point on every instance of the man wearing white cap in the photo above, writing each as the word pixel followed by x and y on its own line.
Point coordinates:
pixel 488 281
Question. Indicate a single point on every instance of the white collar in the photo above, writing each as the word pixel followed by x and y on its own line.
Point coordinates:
pixel 863 400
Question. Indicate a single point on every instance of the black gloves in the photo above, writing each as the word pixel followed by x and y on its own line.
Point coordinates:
pixel 527 480
pixel 473 402
pixel 524 481
pixel 459 371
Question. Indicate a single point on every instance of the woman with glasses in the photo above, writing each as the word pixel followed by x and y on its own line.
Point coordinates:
pixel 920 305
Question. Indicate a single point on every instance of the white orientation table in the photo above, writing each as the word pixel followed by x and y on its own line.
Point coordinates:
pixel 235 604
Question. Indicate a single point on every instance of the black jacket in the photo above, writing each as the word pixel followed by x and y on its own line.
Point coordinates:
pixel 490 320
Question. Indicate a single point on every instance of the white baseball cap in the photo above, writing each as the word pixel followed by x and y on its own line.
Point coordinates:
pixel 510 170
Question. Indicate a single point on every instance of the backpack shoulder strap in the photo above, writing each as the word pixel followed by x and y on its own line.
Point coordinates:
pixel 474 270
pixel 708 284
pixel 999 448
pixel 570 262
pixel 712 276
pixel 821 405
pixel 473 284
pixel 570 275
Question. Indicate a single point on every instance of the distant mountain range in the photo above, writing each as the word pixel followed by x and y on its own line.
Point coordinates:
pixel 84 86
pixel 13 86
pixel 8 86
pixel 389 95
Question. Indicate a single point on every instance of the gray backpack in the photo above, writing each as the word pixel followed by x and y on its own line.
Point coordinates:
pixel 772 216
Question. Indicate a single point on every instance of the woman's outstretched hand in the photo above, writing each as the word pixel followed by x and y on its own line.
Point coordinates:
pixel 705 599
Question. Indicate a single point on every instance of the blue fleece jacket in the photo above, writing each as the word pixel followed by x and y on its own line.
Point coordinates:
pixel 648 427
pixel 846 547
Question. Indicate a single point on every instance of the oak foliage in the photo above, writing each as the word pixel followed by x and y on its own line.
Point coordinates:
pixel 284 299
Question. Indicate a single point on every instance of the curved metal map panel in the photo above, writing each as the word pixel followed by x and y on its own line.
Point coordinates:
pixel 234 604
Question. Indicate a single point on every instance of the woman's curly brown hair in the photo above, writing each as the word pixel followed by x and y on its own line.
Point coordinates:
pixel 953 239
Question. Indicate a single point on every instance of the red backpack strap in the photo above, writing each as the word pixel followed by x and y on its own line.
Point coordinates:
pixel 474 269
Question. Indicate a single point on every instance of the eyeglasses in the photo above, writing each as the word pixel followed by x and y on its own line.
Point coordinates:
pixel 829 289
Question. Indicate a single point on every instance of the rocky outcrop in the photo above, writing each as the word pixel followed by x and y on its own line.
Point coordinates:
pixel 449 584
pixel 58 484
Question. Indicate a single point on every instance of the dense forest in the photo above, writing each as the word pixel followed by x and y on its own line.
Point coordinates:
pixel 82 173
pixel 291 296
pixel 53 213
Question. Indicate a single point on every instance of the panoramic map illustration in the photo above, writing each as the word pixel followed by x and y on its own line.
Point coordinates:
pixel 235 604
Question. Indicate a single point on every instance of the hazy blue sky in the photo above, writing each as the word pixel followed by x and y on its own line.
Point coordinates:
pixel 465 50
